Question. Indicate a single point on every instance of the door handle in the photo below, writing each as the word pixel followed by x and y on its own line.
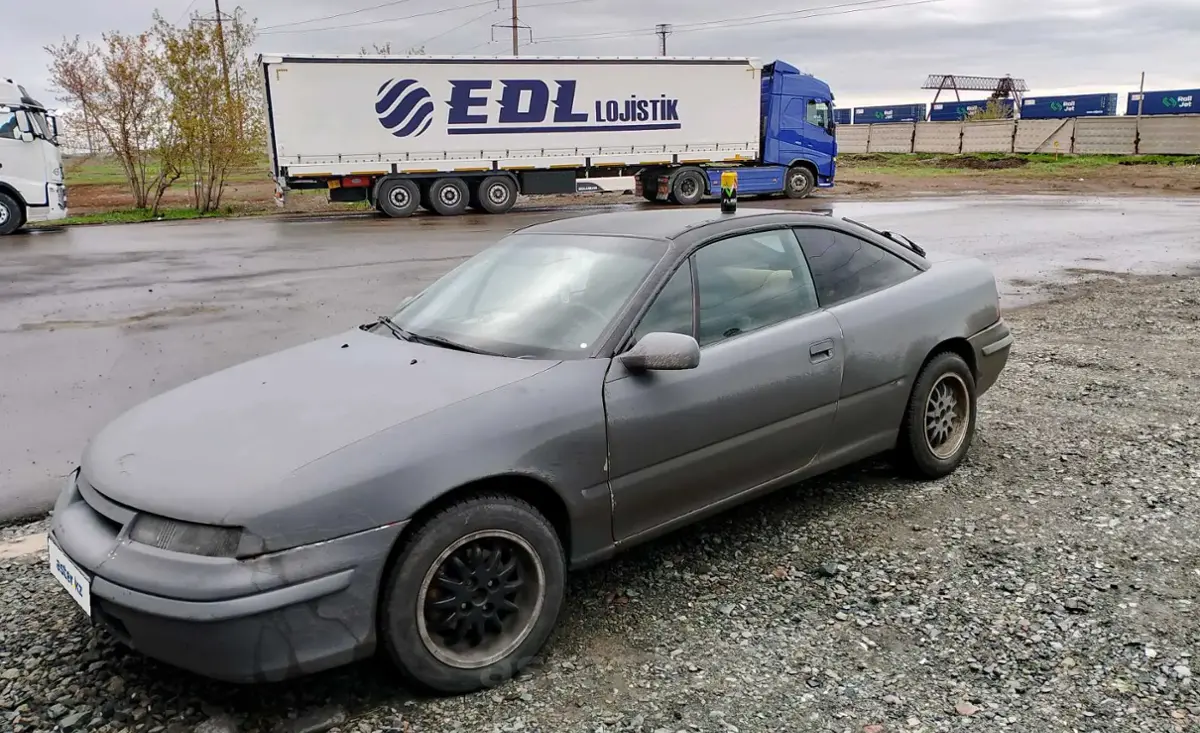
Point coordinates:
pixel 821 351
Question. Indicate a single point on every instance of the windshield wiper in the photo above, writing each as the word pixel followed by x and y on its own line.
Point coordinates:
pixel 447 343
pixel 392 326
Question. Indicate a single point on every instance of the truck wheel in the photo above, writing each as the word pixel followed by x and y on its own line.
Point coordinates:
pixel 650 186
pixel 497 194
pixel 800 182
pixel 426 202
pixel 473 596
pixel 689 187
pixel 449 196
pixel 398 198
pixel 11 216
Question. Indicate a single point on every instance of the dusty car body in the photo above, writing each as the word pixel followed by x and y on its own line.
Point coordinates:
pixel 421 485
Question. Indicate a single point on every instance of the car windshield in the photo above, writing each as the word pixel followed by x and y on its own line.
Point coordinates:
pixel 534 295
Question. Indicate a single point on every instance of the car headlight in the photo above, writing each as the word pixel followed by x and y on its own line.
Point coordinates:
pixel 191 538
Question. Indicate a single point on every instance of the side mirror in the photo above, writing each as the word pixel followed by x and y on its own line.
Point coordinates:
pixel 26 137
pixel 660 351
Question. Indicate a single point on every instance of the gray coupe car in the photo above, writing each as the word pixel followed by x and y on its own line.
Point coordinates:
pixel 420 485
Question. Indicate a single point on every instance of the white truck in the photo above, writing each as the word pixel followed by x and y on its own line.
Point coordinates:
pixel 31 168
pixel 449 132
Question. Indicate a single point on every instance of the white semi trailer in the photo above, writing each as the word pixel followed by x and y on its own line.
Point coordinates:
pixel 448 133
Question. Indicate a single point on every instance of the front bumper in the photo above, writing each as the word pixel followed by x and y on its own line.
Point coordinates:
pixel 261 619
pixel 991 346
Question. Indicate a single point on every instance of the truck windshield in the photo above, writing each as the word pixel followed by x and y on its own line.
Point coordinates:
pixel 550 296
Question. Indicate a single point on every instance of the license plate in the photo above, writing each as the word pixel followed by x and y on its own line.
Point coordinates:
pixel 71 577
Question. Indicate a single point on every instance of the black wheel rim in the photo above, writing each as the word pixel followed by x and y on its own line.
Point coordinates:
pixel 688 187
pixel 480 599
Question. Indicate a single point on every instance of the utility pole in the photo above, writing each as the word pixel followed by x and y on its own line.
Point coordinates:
pixel 514 28
pixel 663 30
pixel 221 48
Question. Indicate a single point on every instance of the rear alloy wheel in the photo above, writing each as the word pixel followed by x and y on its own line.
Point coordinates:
pixel 800 182
pixel 11 216
pixel 939 422
pixel 449 196
pixel 474 596
pixel 688 187
pixel 398 197
pixel 497 194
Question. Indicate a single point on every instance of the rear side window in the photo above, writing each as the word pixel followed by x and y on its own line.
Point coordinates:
pixel 844 266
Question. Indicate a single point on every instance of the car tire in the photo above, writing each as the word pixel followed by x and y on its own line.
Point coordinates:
pixel 449 196
pixel 11 215
pixel 419 630
pixel 800 182
pixel 497 194
pixel 939 421
pixel 689 187
pixel 398 197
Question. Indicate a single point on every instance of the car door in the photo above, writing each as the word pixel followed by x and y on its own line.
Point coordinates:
pixel 867 289
pixel 757 407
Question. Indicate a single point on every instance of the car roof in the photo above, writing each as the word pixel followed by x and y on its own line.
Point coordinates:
pixel 658 224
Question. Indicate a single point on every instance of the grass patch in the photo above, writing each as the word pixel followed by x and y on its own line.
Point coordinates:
pixel 1031 164
pixel 134 216
pixel 99 170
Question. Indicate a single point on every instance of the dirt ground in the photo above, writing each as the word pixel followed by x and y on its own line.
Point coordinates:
pixel 859 177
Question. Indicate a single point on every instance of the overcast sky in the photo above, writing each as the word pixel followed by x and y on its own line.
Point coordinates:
pixel 880 55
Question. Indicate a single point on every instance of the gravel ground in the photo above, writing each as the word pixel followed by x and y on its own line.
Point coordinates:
pixel 1051 584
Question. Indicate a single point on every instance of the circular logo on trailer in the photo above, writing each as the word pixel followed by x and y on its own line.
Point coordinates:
pixel 1170 102
pixel 405 108
pixel 1056 106
pixel 879 114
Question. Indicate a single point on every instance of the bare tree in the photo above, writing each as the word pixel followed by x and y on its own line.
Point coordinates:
pixel 115 92
pixel 386 49
pixel 218 126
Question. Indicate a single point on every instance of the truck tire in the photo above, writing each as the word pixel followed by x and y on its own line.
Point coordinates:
pixel 689 187
pixel 426 202
pixel 497 194
pixel 11 215
pixel 800 182
pixel 398 197
pixel 650 186
pixel 449 196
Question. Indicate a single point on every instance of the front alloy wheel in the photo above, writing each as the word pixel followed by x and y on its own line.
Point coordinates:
pixel 473 595
pixel 939 421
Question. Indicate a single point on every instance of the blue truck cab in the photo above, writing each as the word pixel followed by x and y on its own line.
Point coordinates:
pixel 797 146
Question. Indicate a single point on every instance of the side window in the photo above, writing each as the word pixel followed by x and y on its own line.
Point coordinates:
pixel 671 311
pixel 751 281
pixel 8 126
pixel 844 266
pixel 818 113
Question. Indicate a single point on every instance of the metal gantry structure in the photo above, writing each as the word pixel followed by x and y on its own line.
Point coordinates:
pixel 1000 87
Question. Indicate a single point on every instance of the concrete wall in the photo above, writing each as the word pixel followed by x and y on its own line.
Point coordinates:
pixel 1040 136
pixel 1105 135
pixel 1121 135
pixel 1170 135
pixel 990 136
pixel 894 137
pixel 852 138
pixel 938 137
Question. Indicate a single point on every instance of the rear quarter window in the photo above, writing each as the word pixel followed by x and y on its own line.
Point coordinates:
pixel 845 267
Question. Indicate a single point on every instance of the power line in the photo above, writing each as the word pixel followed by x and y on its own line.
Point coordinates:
pixel 383 20
pixel 802 14
pixel 185 12
pixel 335 15
pixel 458 27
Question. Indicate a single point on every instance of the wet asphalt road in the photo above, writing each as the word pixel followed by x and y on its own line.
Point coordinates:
pixel 96 319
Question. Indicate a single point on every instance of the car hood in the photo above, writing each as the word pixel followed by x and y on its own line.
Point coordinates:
pixel 192 452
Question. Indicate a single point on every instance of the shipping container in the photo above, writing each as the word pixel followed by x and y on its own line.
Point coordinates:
pixel 1173 102
pixel 842 116
pixel 889 113
pixel 954 111
pixel 1079 105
